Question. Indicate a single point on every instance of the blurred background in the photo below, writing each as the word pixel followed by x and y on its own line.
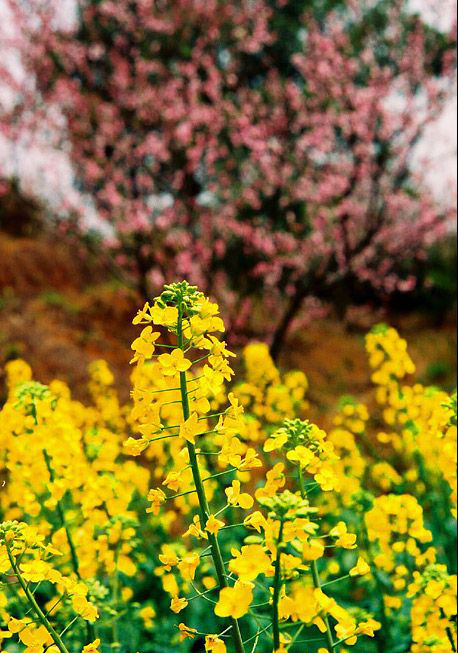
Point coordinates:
pixel 294 158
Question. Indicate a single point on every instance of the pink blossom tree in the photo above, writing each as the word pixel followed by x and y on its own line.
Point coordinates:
pixel 265 159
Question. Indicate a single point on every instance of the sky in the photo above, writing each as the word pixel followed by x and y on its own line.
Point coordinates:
pixel 439 143
pixel 47 171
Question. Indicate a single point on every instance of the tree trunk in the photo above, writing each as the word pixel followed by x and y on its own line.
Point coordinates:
pixel 143 287
pixel 282 329
pixel 143 268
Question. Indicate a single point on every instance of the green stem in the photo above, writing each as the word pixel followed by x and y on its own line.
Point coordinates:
pixel 60 512
pixel 203 503
pixel 316 576
pixel 448 631
pixel 115 599
pixel 317 584
pixel 36 608
pixel 336 580
pixel 277 587
pixel 73 555
pixel 256 637
pixel 300 629
pixel 385 634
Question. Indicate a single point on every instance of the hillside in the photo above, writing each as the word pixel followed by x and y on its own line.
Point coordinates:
pixel 60 312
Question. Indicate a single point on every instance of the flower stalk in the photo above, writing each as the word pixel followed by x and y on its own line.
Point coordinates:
pixel 63 522
pixel 277 587
pixel 73 555
pixel 316 577
pixel 203 503
pixel 34 605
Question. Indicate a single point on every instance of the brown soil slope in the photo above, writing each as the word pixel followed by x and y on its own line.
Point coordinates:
pixel 59 311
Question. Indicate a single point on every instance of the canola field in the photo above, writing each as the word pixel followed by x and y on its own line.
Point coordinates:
pixel 209 514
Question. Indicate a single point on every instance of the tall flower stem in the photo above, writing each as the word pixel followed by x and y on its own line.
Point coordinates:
pixel 60 510
pixel 448 631
pixel 277 587
pixel 316 577
pixel 73 555
pixel 63 522
pixel 34 605
pixel 385 632
pixel 203 503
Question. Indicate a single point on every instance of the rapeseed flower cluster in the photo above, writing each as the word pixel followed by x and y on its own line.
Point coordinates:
pixel 209 512
pixel 434 605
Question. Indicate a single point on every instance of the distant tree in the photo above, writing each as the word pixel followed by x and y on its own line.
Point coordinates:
pixel 20 214
pixel 260 149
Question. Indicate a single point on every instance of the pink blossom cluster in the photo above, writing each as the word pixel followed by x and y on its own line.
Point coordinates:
pixel 210 163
